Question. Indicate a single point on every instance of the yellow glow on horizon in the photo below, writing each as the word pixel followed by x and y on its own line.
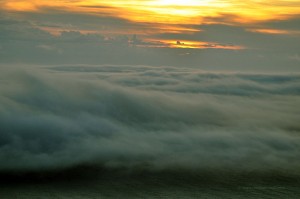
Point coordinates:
pixel 179 10
pixel 275 31
pixel 176 2
pixel 20 6
pixel 189 44
pixel 168 12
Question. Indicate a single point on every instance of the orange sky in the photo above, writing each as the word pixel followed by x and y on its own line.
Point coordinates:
pixel 168 11
pixel 169 15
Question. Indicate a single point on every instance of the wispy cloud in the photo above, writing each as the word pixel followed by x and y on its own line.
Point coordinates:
pixel 212 46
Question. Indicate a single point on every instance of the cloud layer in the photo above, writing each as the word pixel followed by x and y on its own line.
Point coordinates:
pixel 150 117
pixel 70 38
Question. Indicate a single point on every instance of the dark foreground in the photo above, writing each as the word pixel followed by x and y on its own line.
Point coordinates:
pixel 85 182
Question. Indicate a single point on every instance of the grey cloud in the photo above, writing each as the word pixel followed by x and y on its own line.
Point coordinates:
pixel 117 116
pixel 12 30
pixel 24 42
pixel 264 52
pixel 79 21
pixel 287 24
pixel 240 35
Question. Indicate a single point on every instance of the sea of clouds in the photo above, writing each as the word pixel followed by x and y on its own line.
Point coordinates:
pixel 56 117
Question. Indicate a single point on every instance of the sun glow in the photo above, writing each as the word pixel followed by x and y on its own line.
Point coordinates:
pixel 167 11
pixel 164 14
pixel 190 44
pixel 180 2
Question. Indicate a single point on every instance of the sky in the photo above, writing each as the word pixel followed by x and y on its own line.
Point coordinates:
pixel 207 85
pixel 252 35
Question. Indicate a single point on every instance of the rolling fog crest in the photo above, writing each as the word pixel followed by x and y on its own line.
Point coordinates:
pixel 155 117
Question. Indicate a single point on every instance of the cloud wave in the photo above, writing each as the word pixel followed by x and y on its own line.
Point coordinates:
pixel 152 117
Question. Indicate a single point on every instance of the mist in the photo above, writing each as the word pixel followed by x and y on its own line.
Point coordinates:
pixel 154 118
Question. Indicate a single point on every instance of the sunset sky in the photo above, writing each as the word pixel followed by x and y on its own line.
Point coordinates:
pixel 193 88
pixel 219 34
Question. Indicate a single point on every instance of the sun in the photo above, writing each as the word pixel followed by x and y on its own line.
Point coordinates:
pixel 183 3
pixel 178 8
pixel 175 10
